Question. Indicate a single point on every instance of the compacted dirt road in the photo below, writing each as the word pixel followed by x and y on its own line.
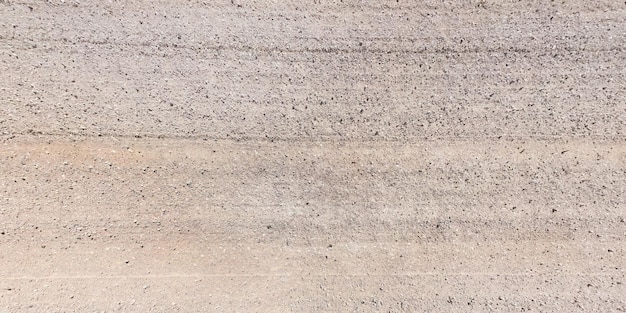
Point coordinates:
pixel 319 156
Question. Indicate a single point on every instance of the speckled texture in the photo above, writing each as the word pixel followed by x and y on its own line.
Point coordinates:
pixel 339 156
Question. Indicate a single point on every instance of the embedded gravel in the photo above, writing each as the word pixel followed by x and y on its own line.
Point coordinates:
pixel 327 156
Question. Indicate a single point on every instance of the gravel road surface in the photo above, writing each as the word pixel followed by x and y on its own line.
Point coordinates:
pixel 318 156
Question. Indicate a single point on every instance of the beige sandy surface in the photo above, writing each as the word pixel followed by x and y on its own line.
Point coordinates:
pixel 319 156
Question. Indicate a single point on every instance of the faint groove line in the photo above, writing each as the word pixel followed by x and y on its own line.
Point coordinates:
pixel 320 138
pixel 407 274
pixel 321 50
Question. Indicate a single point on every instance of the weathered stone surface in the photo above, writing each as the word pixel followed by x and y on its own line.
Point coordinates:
pixel 272 156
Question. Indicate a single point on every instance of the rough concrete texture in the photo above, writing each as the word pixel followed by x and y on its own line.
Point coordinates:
pixel 318 156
